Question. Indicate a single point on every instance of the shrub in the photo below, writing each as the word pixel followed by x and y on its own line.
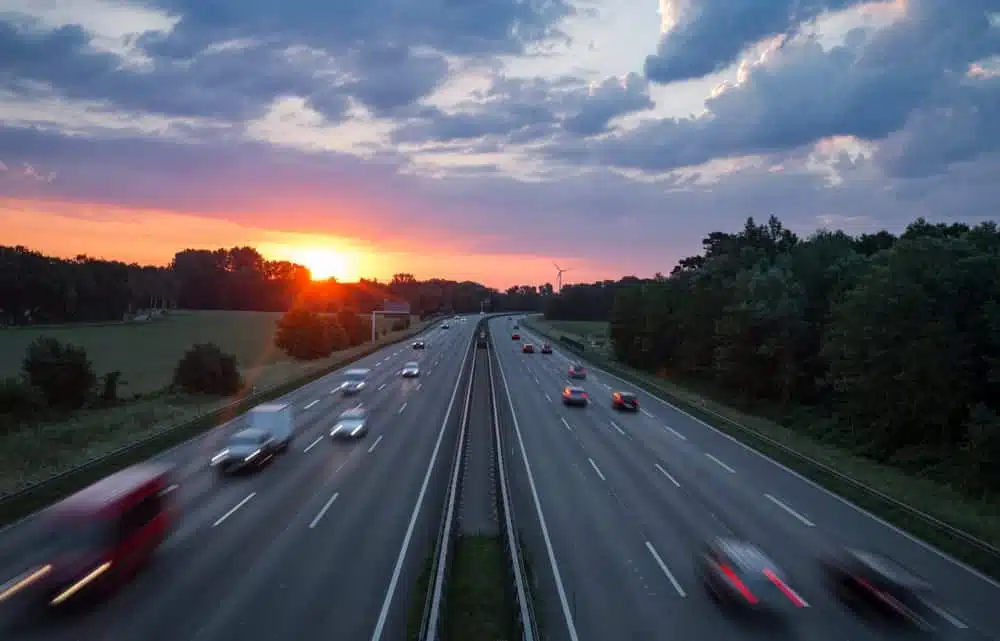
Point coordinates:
pixel 61 372
pixel 306 335
pixel 206 369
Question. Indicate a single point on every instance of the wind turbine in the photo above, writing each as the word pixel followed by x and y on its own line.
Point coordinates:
pixel 559 274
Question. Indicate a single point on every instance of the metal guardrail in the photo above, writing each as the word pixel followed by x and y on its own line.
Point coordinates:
pixel 652 388
pixel 210 419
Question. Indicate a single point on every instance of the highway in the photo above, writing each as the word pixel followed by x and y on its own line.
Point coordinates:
pixel 612 506
pixel 327 542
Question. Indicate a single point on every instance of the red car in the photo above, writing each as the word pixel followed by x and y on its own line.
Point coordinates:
pixel 624 401
pixel 98 538
pixel 546 348
pixel 528 348
pixel 515 337
pixel 577 371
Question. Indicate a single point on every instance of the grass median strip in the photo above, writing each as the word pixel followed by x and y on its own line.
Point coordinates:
pixel 479 605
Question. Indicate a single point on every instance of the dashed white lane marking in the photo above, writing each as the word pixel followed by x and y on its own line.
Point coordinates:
pixel 380 387
pixel 233 509
pixel 375 444
pixel 620 430
pixel 565 424
pixel 647 413
pixel 667 474
pixel 675 432
pixel 311 404
pixel 720 463
pixel 596 469
pixel 323 510
pixel 419 385
pixel 547 397
pixel 401 408
pixel 790 511
pixel 665 569
pixel 312 445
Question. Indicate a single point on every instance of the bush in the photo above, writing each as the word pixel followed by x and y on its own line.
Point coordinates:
pixel 18 401
pixel 357 330
pixel 306 336
pixel 206 369
pixel 109 387
pixel 61 372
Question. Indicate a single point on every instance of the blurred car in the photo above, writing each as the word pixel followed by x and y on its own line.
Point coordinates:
pixel 354 381
pixel 624 401
pixel 419 345
pixel 528 348
pixel 857 577
pixel 247 450
pixel 578 371
pixel 410 370
pixel 444 325
pixel 515 336
pixel 481 341
pixel 546 348
pixel 738 574
pixel 351 424
pixel 575 396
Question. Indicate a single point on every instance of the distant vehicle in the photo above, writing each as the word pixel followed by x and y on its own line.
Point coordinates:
pixel 882 585
pixel 575 396
pixel 278 420
pixel 354 381
pixel 410 370
pixel 94 541
pixel 738 574
pixel 351 424
pixel 624 401
pixel 419 345
pixel 247 450
pixel 444 325
pixel 516 325
pixel 515 336
pixel 546 348
pixel 481 341
pixel 528 348
pixel 577 370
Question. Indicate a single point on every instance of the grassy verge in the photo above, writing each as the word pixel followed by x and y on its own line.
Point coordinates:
pixel 44 462
pixel 415 618
pixel 480 607
pixel 980 518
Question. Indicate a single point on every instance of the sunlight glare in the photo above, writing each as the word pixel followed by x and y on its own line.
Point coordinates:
pixel 324 264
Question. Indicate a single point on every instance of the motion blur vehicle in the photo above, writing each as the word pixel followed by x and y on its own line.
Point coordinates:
pixel 419 345
pixel 882 585
pixel 97 539
pixel 444 325
pixel 351 424
pixel 546 348
pixel 354 381
pixel 481 341
pixel 577 370
pixel 278 420
pixel 247 450
pixel 738 574
pixel 528 348
pixel 624 401
pixel 515 336
pixel 575 396
pixel 410 370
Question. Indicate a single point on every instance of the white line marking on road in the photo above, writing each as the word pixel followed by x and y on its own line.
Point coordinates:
pixel 323 510
pixel 375 444
pixel 947 616
pixel 667 474
pixel 419 385
pixel 596 469
pixel 792 512
pixel 665 569
pixel 605 386
pixel 312 445
pixel 675 432
pixel 381 387
pixel 566 424
pixel 647 412
pixel 397 570
pixel 547 397
pixel 233 509
pixel 311 404
pixel 401 408
pixel 620 430
pixel 720 463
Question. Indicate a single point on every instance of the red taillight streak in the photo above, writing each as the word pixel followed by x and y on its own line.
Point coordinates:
pixel 787 591
pixel 737 583
pixel 885 598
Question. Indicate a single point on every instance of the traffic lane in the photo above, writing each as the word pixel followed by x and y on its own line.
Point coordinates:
pixel 613 587
pixel 331 579
pixel 199 569
pixel 966 602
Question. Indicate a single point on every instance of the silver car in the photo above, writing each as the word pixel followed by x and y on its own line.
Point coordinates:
pixel 355 381
pixel 248 449
pixel 351 424
pixel 410 370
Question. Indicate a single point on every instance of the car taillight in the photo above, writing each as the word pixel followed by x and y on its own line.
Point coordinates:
pixel 787 591
pixel 737 583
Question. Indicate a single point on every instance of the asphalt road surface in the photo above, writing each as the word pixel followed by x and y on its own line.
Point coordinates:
pixel 327 542
pixel 611 507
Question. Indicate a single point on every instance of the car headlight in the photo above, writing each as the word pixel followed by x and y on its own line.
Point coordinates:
pixel 221 456
pixel 251 455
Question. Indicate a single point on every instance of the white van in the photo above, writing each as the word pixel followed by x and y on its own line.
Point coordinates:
pixel 277 419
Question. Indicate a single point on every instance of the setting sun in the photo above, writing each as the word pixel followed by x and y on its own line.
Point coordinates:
pixel 324 264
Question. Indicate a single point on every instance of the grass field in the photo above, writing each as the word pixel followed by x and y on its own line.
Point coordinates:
pixel 980 518
pixel 146 353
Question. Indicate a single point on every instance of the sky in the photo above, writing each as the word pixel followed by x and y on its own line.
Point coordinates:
pixel 487 139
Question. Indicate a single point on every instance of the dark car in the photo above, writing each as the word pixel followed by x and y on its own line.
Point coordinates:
pixel 880 584
pixel 577 371
pixel 481 341
pixel 247 450
pixel 419 345
pixel 546 348
pixel 738 574
pixel 528 348
pixel 575 396
pixel 515 337
pixel 624 401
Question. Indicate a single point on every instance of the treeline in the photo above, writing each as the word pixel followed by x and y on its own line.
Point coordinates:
pixel 887 346
pixel 38 289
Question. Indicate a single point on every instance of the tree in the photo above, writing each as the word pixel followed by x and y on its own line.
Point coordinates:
pixel 61 372
pixel 305 335
pixel 206 369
